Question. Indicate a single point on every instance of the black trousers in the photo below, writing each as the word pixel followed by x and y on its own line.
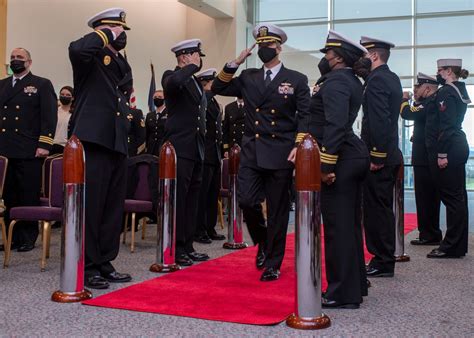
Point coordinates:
pixel 451 183
pixel 208 199
pixel 345 264
pixel 106 183
pixel 428 203
pixel 255 186
pixel 23 188
pixel 189 177
pixel 379 219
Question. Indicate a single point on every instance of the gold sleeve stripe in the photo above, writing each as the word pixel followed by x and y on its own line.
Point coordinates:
pixel 326 161
pixel 46 139
pixel 333 44
pixel 329 156
pixel 103 36
pixel 225 77
pixel 226 146
pixel 377 154
pixel 300 137
pixel 404 104
pixel 415 109
pixel 369 46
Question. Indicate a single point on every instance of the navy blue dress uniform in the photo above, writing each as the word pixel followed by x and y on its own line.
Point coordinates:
pixel 334 108
pixel 451 144
pixel 211 174
pixel 137 132
pixel 186 129
pixel 155 130
pixel 234 124
pixel 102 79
pixel 381 106
pixel 276 120
pixel 28 116
pixel 426 194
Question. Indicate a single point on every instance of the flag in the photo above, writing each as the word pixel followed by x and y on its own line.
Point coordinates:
pixel 133 99
pixel 151 105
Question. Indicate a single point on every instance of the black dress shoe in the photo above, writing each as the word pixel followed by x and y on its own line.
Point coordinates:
pixel 183 260
pixel 373 272
pixel 203 238
pixel 117 277
pixel 369 284
pixel 437 253
pixel 420 241
pixel 25 247
pixel 97 282
pixel 260 259
pixel 216 237
pixel 332 304
pixel 198 257
pixel 270 274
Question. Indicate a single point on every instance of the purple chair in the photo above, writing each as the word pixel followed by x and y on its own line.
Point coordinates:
pixel 141 203
pixel 44 199
pixel 224 192
pixel 45 215
pixel 3 174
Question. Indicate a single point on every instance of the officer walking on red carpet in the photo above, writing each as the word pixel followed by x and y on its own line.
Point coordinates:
pixel 277 101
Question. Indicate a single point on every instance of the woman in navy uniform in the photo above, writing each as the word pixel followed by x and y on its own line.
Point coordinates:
pixel 234 123
pixel 102 80
pixel 155 124
pixel 449 155
pixel 277 101
pixel 344 165
pixel 381 105
pixel 28 116
pixel 211 174
pixel 426 194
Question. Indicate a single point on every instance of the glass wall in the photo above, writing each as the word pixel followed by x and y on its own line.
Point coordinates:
pixel 422 30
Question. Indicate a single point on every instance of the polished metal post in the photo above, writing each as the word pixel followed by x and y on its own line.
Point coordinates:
pixel 399 211
pixel 308 314
pixel 235 235
pixel 72 239
pixel 166 214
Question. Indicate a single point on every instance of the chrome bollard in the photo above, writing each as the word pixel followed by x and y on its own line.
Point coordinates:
pixel 72 239
pixel 166 214
pixel 235 235
pixel 399 211
pixel 308 315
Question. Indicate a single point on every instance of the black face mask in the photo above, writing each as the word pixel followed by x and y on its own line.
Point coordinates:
pixel 440 79
pixel 158 102
pixel 17 66
pixel 324 66
pixel 266 54
pixel 120 42
pixel 65 100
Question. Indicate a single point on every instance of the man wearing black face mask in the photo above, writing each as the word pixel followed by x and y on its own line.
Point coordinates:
pixel 426 194
pixel 186 129
pixel 102 81
pixel 381 106
pixel 155 124
pixel 28 120
pixel 277 101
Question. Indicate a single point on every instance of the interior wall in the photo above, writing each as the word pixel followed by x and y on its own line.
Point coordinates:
pixel 3 37
pixel 46 27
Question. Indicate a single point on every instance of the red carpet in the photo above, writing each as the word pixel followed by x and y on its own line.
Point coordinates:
pixel 224 289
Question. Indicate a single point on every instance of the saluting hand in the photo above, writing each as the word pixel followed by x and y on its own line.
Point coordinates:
pixel 244 55
pixel 407 95
pixel 193 58
pixel 117 30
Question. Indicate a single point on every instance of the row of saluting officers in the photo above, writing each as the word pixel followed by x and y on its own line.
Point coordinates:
pixel 279 111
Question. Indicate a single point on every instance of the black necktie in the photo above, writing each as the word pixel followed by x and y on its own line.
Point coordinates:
pixel 268 79
pixel 15 80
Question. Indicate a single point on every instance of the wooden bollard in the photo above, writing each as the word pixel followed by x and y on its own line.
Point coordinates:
pixel 72 240
pixel 308 314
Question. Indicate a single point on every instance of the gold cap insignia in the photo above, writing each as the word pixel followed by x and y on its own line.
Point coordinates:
pixel 107 60
pixel 263 31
